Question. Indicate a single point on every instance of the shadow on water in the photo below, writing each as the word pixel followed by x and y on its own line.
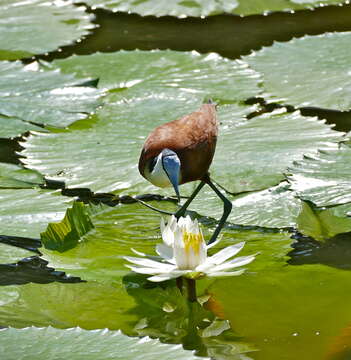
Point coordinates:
pixel 32 269
pixel 335 252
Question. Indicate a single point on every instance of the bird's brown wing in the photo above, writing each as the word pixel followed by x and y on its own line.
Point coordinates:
pixel 192 137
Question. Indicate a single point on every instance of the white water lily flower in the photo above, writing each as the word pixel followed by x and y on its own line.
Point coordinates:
pixel 184 253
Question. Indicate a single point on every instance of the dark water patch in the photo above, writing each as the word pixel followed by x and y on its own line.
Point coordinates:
pixel 335 252
pixel 229 35
pixel 32 269
pixel 9 149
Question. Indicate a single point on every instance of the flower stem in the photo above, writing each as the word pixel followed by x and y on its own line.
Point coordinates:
pixel 191 290
pixel 179 282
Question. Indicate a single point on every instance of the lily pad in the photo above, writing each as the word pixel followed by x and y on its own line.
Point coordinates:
pixel 88 305
pixel 255 155
pixel 11 127
pixel 26 212
pixel 276 207
pixel 323 224
pixel 41 343
pixel 11 254
pixel 136 73
pixel 184 8
pixel 43 97
pixel 324 178
pixel 323 81
pixel 37 26
pixel 14 176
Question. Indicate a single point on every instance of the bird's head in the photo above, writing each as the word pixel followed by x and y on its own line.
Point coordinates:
pixel 163 170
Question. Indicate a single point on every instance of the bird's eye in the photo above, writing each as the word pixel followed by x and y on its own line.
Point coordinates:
pixel 152 164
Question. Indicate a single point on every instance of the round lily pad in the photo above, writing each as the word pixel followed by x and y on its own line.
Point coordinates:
pixel 184 8
pixel 37 26
pixel 324 179
pixel 44 343
pixel 316 74
pixel 30 96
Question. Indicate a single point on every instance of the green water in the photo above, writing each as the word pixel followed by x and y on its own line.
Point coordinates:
pixel 292 304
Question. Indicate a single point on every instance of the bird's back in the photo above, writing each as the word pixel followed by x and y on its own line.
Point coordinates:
pixel 193 137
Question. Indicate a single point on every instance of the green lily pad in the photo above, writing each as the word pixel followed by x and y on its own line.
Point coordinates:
pixel 276 207
pixel 323 81
pixel 11 254
pixel 37 26
pixel 11 127
pixel 136 73
pixel 184 8
pixel 26 212
pixel 88 305
pixel 255 155
pixel 323 224
pixel 14 176
pixel 324 178
pixel 43 97
pixel 41 343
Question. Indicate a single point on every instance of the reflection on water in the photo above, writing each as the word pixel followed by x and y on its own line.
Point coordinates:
pixel 335 252
pixel 165 314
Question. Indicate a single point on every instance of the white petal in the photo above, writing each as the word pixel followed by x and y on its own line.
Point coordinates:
pixel 138 252
pixel 225 273
pixel 240 261
pixel 164 277
pixel 165 251
pixel 221 256
pixel 148 263
pixel 145 270
pixel 162 225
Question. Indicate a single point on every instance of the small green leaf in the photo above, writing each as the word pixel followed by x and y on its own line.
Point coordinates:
pixel 66 234
pixel 44 343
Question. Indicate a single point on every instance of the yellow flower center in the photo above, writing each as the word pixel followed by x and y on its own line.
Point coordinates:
pixel 192 241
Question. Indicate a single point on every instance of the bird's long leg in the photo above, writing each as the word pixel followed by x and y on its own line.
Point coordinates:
pixel 153 208
pixel 180 212
pixel 227 208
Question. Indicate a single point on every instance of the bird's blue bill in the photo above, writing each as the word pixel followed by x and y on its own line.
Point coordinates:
pixel 171 165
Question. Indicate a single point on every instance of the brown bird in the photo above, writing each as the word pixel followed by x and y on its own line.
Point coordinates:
pixel 181 151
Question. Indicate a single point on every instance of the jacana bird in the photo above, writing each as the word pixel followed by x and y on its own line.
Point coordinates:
pixel 181 151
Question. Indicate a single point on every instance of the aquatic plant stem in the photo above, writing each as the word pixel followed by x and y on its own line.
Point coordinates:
pixel 179 282
pixel 191 285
